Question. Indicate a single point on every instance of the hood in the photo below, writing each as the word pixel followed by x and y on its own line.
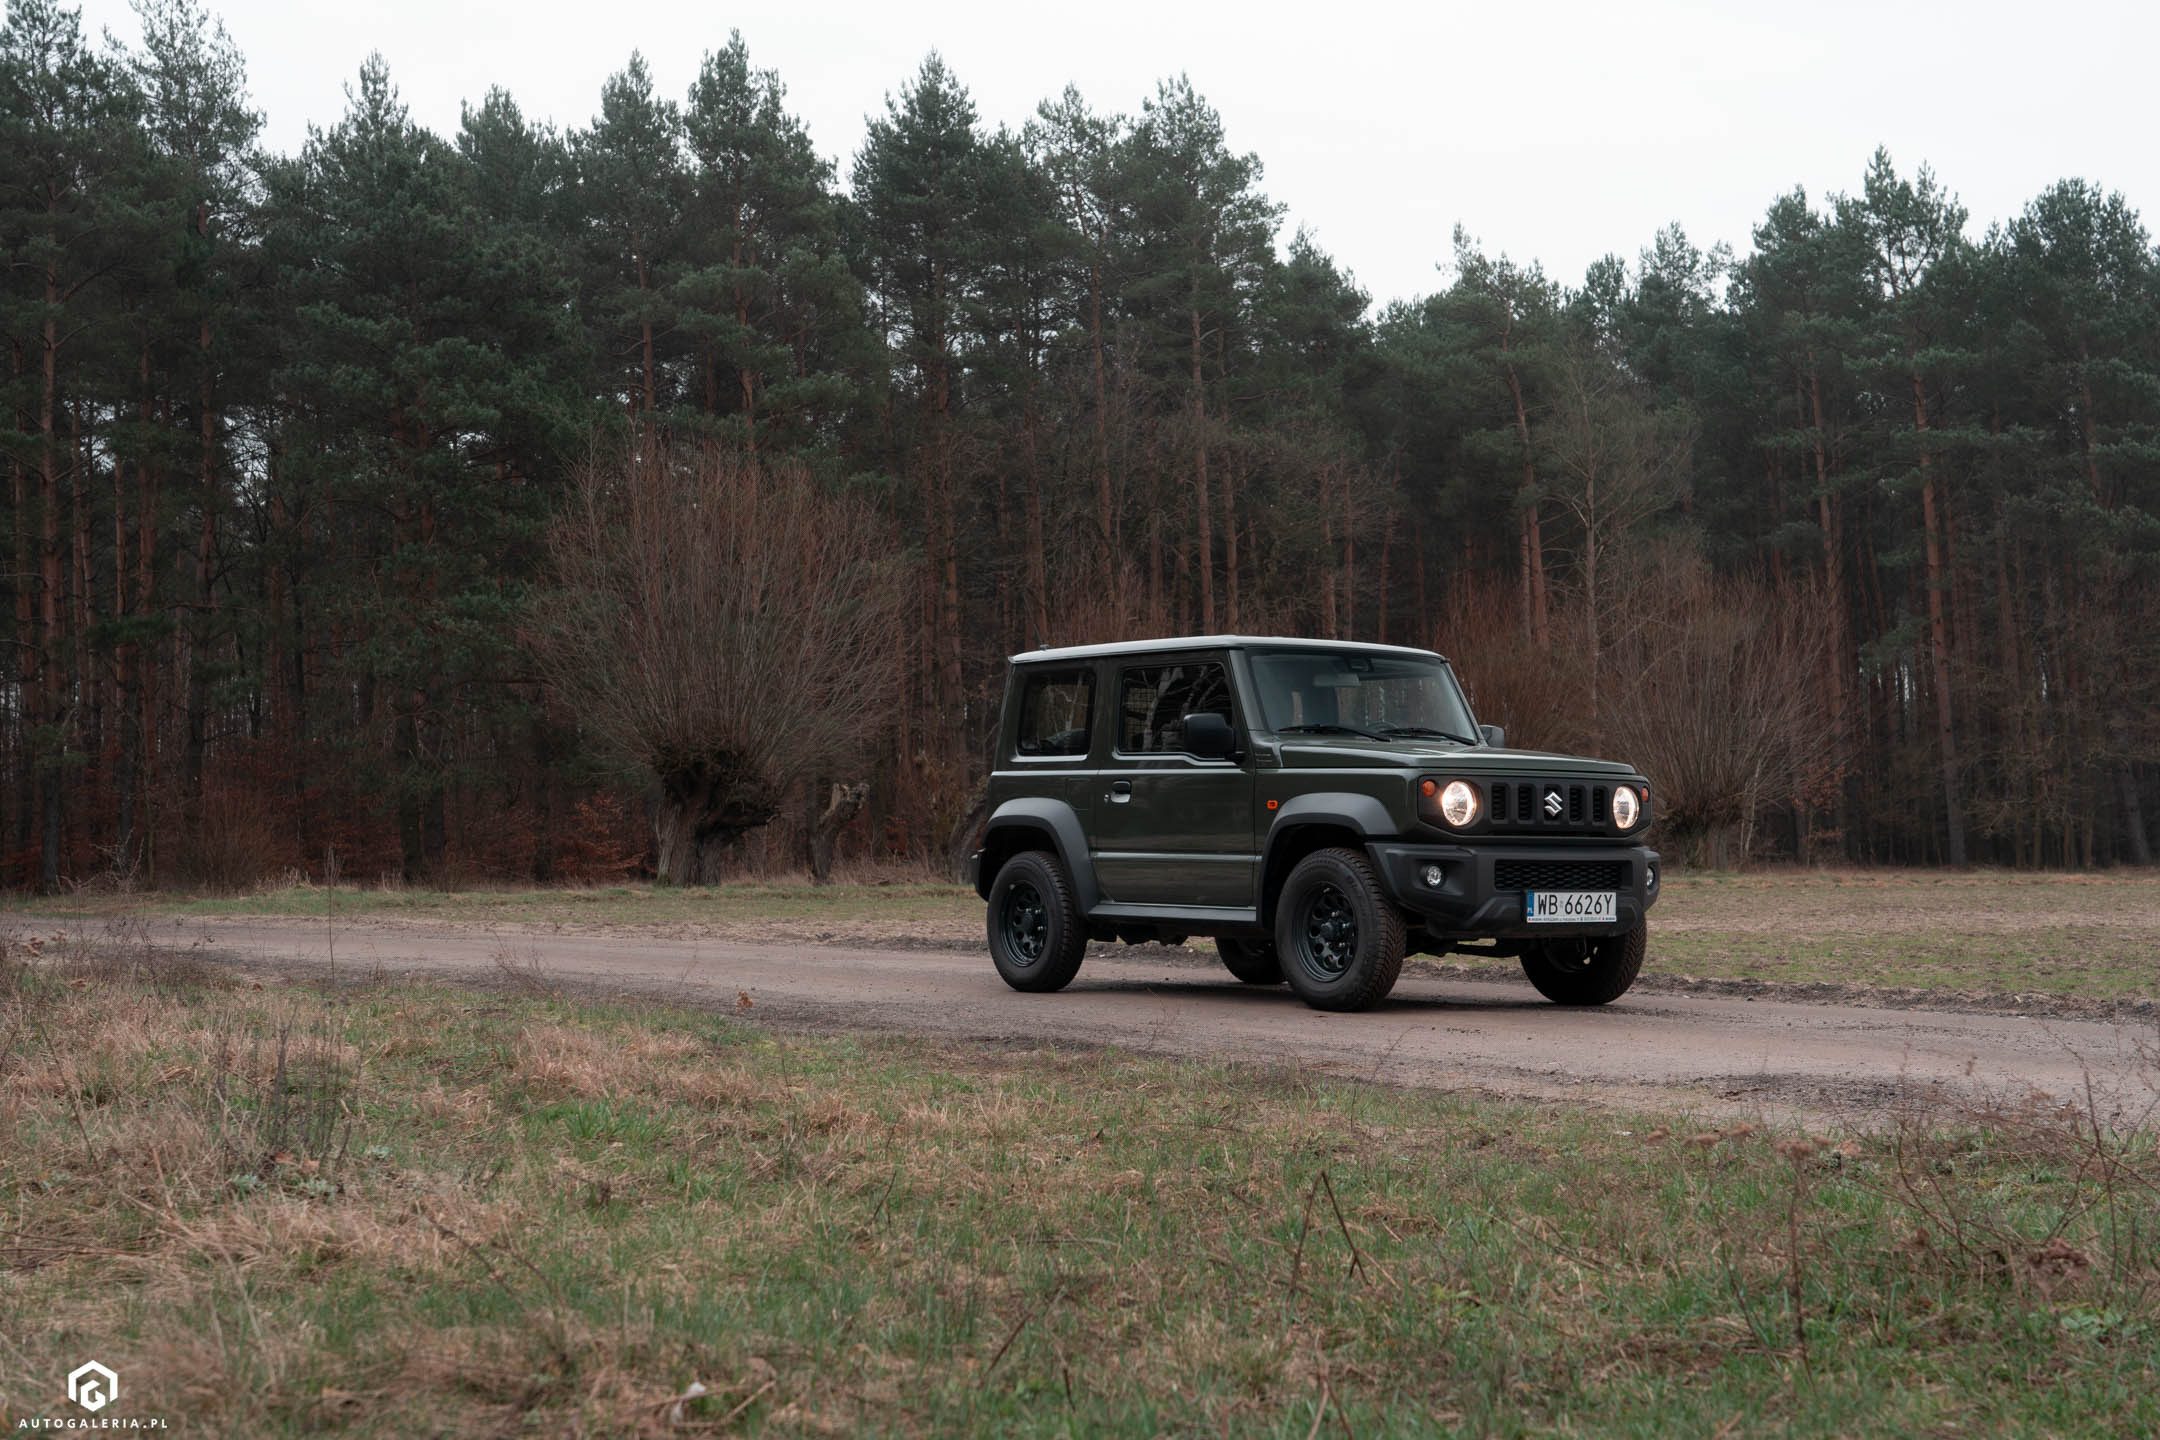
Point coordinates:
pixel 1345 752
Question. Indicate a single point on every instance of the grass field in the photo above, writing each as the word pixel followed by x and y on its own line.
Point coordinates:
pixel 2090 936
pixel 425 1210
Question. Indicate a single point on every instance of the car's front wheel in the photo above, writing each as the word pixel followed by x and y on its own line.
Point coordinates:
pixel 1036 939
pixel 1340 940
pixel 1252 961
pixel 1594 971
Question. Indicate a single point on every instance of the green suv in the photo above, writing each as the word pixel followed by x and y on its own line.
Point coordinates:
pixel 1320 808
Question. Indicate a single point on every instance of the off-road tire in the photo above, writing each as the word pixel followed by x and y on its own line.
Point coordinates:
pixel 1252 961
pixel 1596 971
pixel 1036 938
pixel 1339 938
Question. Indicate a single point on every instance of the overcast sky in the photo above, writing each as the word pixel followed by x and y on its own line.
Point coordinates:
pixel 1553 132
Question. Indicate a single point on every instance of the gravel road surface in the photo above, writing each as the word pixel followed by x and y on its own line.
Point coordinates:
pixel 1655 1050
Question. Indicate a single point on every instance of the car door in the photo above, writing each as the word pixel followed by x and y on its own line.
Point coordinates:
pixel 1170 828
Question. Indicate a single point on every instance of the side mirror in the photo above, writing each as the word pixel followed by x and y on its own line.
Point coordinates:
pixel 1494 736
pixel 1209 736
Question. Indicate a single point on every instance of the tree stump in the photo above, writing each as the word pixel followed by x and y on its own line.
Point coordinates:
pixel 846 803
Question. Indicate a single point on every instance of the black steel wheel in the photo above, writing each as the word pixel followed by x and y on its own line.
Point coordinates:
pixel 1036 939
pixel 1252 961
pixel 1027 924
pixel 1592 970
pixel 1339 938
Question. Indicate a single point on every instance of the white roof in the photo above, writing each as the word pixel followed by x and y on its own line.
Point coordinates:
pixel 1213 642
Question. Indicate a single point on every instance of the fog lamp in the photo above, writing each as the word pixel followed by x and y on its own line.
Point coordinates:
pixel 1434 877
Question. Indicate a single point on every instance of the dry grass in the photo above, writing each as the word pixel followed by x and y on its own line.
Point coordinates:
pixel 424 1210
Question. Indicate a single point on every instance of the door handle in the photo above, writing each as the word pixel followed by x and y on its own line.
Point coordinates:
pixel 1120 792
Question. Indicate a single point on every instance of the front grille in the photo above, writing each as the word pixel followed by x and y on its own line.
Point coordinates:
pixel 1560 874
pixel 1548 807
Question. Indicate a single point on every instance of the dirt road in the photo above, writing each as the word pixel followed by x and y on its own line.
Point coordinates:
pixel 1778 1057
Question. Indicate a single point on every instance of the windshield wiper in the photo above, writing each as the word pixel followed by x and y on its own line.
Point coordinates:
pixel 1394 730
pixel 1330 730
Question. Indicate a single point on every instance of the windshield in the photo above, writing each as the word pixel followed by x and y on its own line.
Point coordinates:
pixel 1385 697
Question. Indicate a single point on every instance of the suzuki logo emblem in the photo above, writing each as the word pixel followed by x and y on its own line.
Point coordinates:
pixel 1554 804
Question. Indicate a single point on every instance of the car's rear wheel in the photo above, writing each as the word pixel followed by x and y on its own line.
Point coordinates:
pixel 1340 940
pixel 1252 961
pixel 1591 971
pixel 1036 939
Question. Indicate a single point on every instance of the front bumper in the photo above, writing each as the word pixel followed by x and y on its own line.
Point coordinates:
pixel 1468 903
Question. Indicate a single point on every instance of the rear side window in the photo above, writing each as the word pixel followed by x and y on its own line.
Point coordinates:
pixel 1154 700
pixel 1054 710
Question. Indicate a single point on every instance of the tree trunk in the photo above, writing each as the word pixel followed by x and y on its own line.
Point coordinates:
pixel 88 708
pixel 1230 542
pixel 645 334
pixel 49 750
pixel 1157 612
pixel 1038 565
pixel 744 372
pixel 1105 515
pixel 1349 561
pixel 2134 816
pixel 1425 634
pixel 703 807
pixel 2012 673
pixel 1206 558
pixel 123 690
pixel 2085 428
pixel 406 755
pixel 1830 518
pixel 1938 634
pixel 27 674
pixel 1534 605
pixel 1328 610
pixel 147 755
pixel 846 802
pixel 1387 543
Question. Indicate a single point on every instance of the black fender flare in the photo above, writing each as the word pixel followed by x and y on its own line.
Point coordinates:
pixel 1362 815
pixel 1070 837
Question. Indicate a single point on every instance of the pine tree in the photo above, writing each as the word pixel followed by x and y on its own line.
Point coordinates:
pixel 631 193
pixel 200 126
pixel 765 295
pixel 1507 315
pixel 1207 239
pixel 1076 152
pixel 435 351
pixel 918 187
pixel 1914 235
pixel 68 214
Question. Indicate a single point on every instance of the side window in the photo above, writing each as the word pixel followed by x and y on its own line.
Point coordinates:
pixel 1154 700
pixel 1054 711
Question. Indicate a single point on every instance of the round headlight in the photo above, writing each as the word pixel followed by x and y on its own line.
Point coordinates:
pixel 1626 808
pixel 1458 803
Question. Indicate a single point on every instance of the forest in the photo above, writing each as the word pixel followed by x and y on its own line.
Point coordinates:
pixel 657 497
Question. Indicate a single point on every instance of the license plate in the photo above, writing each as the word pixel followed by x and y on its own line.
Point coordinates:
pixel 1570 907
